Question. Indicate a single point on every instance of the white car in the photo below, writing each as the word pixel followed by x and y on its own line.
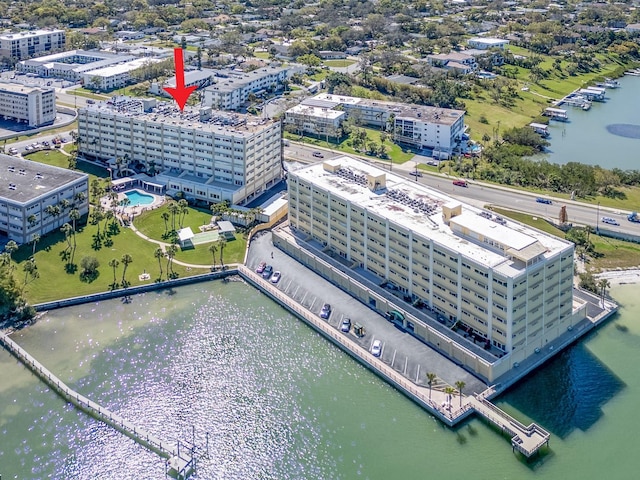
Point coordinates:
pixel 376 348
pixel 276 276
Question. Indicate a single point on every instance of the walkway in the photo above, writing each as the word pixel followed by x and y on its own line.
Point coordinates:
pixel 439 399
pixel 181 461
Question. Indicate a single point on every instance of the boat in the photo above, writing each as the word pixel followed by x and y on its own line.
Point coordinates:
pixel 610 83
pixel 586 106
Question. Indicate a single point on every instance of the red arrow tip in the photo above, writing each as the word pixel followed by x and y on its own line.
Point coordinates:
pixel 180 95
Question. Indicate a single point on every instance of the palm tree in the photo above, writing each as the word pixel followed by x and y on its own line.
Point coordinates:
pixel 74 215
pixel 126 260
pixel 165 217
pixel 66 229
pixel 11 247
pixel 603 284
pixel 79 197
pixel 213 249
pixel 171 252
pixel 159 255
pixel 183 205
pixel 173 210
pixel 113 263
pixel 32 220
pixel 460 385
pixel 449 390
pixel 222 242
pixel 30 270
pixel 431 377
pixel 35 238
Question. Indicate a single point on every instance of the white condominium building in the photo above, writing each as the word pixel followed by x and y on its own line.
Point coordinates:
pixel 414 125
pixel 35 106
pixel 23 45
pixel 207 154
pixel 28 188
pixel 506 286
pixel 72 64
pixel 114 76
pixel 232 87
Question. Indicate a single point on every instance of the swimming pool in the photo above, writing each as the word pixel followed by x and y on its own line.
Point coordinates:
pixel 138 198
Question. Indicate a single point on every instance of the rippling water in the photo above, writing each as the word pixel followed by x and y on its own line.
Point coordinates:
pixel 279 402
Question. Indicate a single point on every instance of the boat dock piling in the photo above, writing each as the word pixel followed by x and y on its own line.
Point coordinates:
pixel 181 462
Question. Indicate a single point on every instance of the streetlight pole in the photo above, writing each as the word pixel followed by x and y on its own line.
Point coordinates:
pixel 598 219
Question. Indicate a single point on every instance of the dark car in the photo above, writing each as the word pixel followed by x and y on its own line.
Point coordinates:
pixel 261 267
pixel 325 312
pixel 266 273
pixel 460 183
pixel 544 200
pixel 345 326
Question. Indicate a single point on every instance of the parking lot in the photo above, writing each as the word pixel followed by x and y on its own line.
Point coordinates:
pixel 404 353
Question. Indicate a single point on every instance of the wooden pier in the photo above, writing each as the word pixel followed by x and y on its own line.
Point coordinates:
pixel 181 457
pixel 524 439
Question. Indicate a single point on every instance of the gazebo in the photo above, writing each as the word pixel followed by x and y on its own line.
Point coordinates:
pixel 185 235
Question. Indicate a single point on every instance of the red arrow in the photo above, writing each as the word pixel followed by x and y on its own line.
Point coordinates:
pixel 180 93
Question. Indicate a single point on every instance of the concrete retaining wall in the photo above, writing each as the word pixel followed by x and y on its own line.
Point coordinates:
pixel 67 302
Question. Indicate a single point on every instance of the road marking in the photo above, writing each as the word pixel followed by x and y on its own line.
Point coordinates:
pixel 312 303
pixel 406 360
pixel 418 374
pixel 303 298
pixel 288 285
pixel 394 357
pixel 296 292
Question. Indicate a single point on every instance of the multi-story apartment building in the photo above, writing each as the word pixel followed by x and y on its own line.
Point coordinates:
pixel 114 76
pixel 23 45
pixel 35 106
pixel 28 188
pixel 71 65
pixel 418 126
pixel 232 87
pixel 315 120
pixel 209 155
pixel 506 286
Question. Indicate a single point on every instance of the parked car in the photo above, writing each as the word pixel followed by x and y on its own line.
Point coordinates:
pixel 610 221
pixel 460 183
pixel 261 267
pixel 276 276
pixel 345 326
pixel 318 154
pixel 266 273
pixel 325 311
pixel 544 200
pixel 376 348
pixel 416 173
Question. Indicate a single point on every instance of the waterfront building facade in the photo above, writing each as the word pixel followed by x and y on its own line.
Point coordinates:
pixel 504 286
pixel 207 154
pixel 26 44
pixel 232 88
pixel 417 126
pixel 28 188
pixel 34 106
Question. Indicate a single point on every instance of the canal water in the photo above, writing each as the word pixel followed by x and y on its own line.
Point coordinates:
pixel 280 402
pixel 607 135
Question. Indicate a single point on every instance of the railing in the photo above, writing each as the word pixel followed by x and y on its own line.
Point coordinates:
pixel 164 449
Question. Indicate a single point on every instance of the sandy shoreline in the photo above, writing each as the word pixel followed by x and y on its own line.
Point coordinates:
pixel 621 277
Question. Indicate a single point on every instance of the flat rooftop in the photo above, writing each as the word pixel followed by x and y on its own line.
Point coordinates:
pixel 27 34
pixel 230 80
pixel 168 114
pixel 121 68
pixel 320 112
pixel 22 89
pixel 30 179
pixel 443 116
pixel 419 208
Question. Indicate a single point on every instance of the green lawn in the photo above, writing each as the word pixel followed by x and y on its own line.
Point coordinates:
pixel 83 92
pixel 55 282
pixel 151 224
pixel 27 136
pixel 611 253
pixel 262 55
pixel 339 63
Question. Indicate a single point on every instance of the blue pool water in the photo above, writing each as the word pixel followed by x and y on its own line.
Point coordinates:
pixel 137 198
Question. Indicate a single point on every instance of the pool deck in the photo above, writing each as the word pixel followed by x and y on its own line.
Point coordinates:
pixel 133 210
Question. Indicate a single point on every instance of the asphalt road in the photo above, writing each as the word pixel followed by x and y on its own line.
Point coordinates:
pixel 485 194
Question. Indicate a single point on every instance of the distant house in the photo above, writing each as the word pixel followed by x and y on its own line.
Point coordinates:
pixel 331 55
pixel 482 43
pixel 453 61
pixel 633 28
pixel 128 35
